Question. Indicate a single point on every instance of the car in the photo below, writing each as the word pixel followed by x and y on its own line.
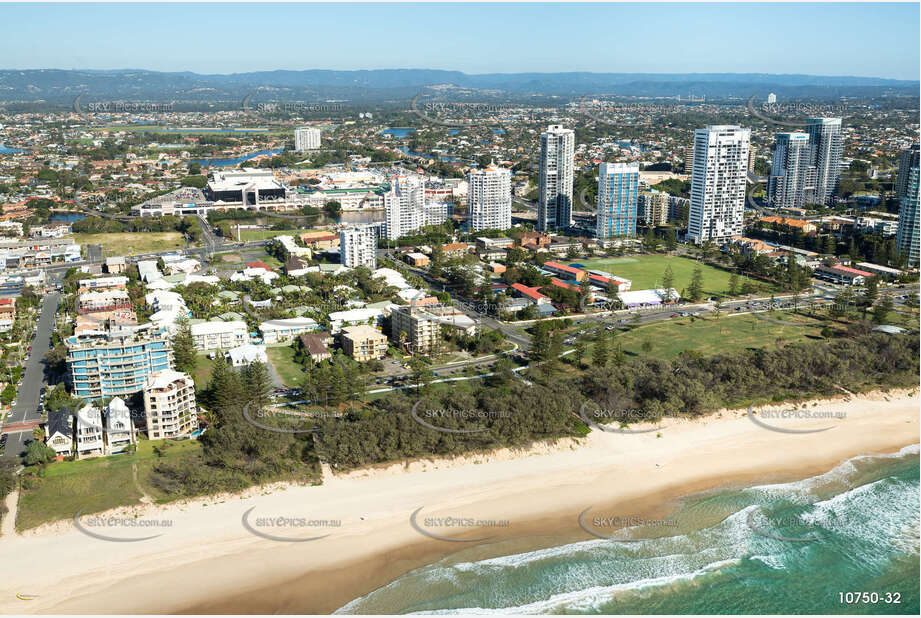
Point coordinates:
pixel 676 315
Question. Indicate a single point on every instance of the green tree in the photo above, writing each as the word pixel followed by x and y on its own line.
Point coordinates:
pixel 733 284
pixel 668 282
pixel 256 383
pixel 8 394
pixel 882 309
pixel 421 373
pixel 184 346
pixel 646 346
pixel 696 288
pixel 224 388
pixel 579 352
pixel 600 352
pixel 869 295
pixel 37 453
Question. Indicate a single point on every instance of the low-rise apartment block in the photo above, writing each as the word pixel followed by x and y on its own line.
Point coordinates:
pixel 363 343
pixel 219 335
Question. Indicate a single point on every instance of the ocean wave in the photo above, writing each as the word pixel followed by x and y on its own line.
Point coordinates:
pixel 804 489
pixel 592 598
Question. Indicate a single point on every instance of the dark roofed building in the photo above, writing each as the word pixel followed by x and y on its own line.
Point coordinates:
pixel 295 264
pixel 315 344
pixel 59 431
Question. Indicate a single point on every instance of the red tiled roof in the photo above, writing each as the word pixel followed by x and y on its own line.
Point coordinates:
pixel 562 267
pixel 529 292
pixel 562 284
pixel 853 271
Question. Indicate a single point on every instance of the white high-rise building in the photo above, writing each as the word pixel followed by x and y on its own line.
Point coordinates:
pixel 825 137
pixel 554 206
pixel 406 209
pixel 908 236
pixel 403 207
pixel 306 138
pixel 792 180
pixel 772 98
pixel 618 190
pixel 169 404
pixel 358 247
pixel 489 199
pixel 718 182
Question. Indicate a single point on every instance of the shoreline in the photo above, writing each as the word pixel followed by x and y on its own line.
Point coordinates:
pixel 540 492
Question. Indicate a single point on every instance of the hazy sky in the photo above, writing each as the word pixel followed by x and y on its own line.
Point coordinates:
pixel 878 40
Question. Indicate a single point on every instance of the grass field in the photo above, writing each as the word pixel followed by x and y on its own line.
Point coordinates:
pixel 264 234
pixel 94 485
pixel 645 272
pixel 282 358
pixel 133 242
pixel 202 373
pixel 711 336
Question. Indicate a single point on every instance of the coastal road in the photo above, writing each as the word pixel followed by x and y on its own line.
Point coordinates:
pixel 26 408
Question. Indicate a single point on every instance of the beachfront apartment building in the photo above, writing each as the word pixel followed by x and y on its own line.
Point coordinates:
pixel 792 182
pixel 908 159
pixel 414 328
pixel 908 235
pixel 89 431
pixel 169 405
pixel 286 329
pixel 219 335
pixel 489 199
pixel 119 426
pixel 363 342
pixel 718 183
pixel 554 205
pixel 358 247
pixel 618 186
pixel 827 148
pixel 116 362
pixel 306 138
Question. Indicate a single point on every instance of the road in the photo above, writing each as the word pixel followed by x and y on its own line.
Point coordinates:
pixel 26 408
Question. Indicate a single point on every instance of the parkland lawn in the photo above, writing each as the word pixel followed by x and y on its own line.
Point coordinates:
pixel 247 235
pixel 710 336
pixel 645 272
pixel 282 358
pixel 94 485
pixel 133 243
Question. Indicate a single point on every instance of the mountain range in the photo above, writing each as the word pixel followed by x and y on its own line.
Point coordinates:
pixel 57 86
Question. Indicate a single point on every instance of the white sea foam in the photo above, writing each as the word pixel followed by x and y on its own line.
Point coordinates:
pixel 591 598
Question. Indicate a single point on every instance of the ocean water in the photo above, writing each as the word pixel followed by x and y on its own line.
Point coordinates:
pixel 787 548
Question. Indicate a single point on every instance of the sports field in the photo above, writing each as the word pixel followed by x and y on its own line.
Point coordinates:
pixel 645 272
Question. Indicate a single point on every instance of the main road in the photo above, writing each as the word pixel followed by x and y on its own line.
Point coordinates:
pixel 25 412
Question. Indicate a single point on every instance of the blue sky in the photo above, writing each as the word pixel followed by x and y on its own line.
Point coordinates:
pixel 875 40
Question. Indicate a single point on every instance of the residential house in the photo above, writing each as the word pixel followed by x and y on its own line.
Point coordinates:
pixel 59 432
pixel 119 426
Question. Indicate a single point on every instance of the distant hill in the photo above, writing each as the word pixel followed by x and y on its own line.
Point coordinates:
pixel 63 86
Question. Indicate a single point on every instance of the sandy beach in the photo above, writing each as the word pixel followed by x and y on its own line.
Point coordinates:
pixel 208 559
